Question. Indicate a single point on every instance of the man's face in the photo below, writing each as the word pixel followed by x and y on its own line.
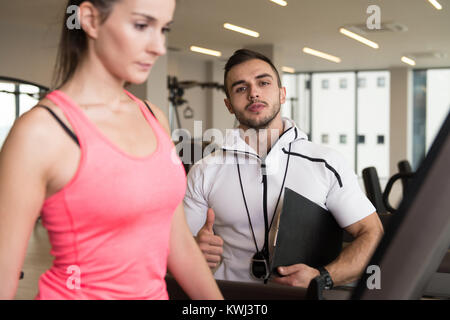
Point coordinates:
pixel 255 97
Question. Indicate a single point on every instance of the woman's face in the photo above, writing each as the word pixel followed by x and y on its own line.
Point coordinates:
pixel 133 36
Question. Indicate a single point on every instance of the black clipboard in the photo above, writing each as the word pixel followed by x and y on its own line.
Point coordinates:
pixel 307 233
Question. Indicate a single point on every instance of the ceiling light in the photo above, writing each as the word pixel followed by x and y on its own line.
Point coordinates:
pixel 288 69
pixel 321 55
pixel 206 51
pixel 357 37
pixel 280 2
pixel 436 4
pixel 409 61
pixel 241 30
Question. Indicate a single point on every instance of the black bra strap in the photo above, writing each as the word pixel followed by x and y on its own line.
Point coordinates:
pixel 68 131
pixel 150 109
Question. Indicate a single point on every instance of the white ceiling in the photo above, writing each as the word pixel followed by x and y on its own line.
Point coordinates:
pixel 312 23
pixel 315 23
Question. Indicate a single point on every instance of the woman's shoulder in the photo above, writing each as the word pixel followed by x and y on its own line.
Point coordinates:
pixel 160 116
pixel 34 130
pixel 34 122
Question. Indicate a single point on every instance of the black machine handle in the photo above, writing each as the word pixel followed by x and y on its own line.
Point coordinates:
pixel 388 188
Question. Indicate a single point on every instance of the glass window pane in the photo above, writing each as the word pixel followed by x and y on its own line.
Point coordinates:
pixel 289 82
pixel 7 109
pixel 419 113
pixel 373 123
pixel 334 112
pixel 29 97
pixel 361 82
pixel 302 112
pixel 438 102
pixel 361 139
pixel 297 105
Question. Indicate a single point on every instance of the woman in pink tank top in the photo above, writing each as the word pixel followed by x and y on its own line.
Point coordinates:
pixel 109 187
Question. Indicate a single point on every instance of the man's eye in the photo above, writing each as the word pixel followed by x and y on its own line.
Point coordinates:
pixel 265 83
pixel 165 30
pixel 240 89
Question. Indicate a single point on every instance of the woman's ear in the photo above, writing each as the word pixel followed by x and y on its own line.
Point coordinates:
pixel 89 19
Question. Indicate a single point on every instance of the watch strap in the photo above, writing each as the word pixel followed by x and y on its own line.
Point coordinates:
pixel 324 274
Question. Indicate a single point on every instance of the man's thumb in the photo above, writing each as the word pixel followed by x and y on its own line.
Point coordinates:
pixel 210 220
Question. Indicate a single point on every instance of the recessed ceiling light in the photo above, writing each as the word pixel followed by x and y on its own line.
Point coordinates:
pixel 206 51
pixel 248 32
pixel 436 4
pixel 280 2
pixel 288 69
pixel 359 38
pixel 321 55
pixel 409 61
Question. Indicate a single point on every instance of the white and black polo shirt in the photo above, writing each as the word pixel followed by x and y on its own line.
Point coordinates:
pixel 314 171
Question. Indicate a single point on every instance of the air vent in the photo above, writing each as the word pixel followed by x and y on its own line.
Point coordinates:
pixel 384 27
pixel 174 49
pixel 427 55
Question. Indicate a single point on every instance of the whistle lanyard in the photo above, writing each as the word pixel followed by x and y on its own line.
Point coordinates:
pixel 265 249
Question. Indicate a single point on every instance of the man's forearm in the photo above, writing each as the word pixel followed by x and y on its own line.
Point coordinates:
pixel 349 265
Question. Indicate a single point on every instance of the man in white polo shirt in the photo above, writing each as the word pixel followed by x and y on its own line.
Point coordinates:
pixel 234 193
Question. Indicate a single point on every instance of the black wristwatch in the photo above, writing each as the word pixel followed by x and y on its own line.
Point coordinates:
pixel 325 275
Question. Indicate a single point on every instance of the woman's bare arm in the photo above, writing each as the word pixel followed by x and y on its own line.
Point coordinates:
pixel 24 159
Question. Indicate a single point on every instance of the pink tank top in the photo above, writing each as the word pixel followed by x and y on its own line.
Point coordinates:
pixel 109 227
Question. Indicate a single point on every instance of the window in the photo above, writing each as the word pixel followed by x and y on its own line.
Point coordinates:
pixel 7 109
pixel 438 102
pixel 297 106
pixel 361 82
pixel 373 122
pixel 361 138
pixel 353 122
pixel 333 112
pixel 290 83
pixel 16 97
pixel 431 107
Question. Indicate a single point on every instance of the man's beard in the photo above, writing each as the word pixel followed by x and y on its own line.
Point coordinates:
pixel 258 124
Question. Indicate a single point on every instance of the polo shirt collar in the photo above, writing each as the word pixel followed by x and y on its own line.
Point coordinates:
pixel 234 142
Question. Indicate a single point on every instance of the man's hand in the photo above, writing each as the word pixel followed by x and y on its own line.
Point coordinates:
pixel 297 275
pixel 210 244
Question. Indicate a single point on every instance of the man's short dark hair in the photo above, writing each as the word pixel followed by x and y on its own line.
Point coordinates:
pixel 241 56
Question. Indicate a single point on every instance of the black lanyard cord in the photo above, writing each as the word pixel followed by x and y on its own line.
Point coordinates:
pixel 266 218
pixel 245 201
pixel 281 190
